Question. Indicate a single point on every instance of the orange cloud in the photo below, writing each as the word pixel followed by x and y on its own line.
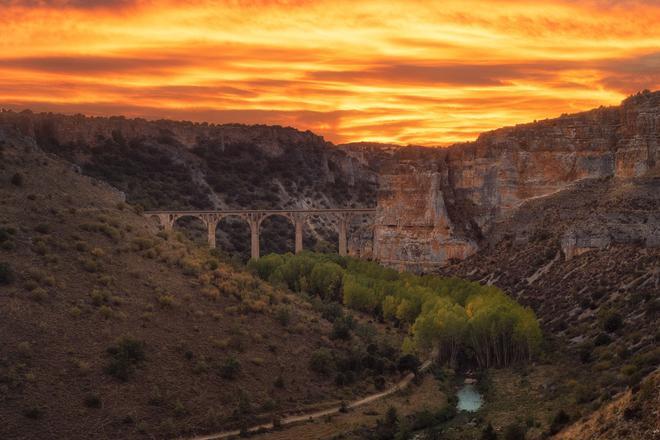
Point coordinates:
pixel 400 71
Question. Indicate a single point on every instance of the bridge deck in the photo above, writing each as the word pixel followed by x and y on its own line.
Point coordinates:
pixel 267 211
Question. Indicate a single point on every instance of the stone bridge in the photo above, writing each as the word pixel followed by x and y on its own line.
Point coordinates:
pixel 254 218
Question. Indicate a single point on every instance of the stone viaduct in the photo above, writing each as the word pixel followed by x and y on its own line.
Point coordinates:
pixel 254 218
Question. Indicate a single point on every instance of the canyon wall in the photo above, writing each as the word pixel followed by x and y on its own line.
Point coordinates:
pixel 437 205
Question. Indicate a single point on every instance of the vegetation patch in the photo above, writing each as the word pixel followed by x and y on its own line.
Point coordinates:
pixel 126 355
pixel 460 319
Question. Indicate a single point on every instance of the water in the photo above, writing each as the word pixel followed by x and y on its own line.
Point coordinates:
pixel 469 398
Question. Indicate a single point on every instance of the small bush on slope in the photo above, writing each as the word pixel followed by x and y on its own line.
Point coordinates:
pixel 126 355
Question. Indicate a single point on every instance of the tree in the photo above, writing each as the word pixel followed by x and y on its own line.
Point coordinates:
pixel 266 265
pixel 390 305
pixel 358 296
pixel 326 280
pixel 406 311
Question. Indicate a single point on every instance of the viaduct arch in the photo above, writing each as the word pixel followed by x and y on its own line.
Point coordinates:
pixel 254 218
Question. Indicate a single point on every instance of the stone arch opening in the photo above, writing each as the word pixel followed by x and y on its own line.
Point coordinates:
pixel 157 221
pixel 193 228
pixel 233 237
pixel 277 234
pixel 320 234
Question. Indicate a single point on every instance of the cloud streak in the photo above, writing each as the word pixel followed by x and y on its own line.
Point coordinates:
pixel 402 71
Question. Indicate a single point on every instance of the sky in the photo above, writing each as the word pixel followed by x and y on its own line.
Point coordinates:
pixel 398 71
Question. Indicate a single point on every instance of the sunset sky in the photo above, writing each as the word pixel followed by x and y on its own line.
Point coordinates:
pixel 427 72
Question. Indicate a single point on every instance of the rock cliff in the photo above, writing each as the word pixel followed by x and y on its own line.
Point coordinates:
pixel 438 205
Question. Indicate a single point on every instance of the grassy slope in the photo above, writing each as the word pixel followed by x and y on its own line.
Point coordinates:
pixel 89 270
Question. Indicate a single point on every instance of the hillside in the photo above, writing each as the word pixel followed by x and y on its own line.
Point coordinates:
pixel 598 302
pixel 184 165
pixel 112 331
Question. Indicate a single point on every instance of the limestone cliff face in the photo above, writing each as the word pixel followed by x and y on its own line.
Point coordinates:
pixel 441 204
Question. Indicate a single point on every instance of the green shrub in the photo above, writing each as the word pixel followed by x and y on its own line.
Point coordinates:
pixel 38 294
pixel 230 368
pixel 322 362
pixel 341 328
pixel 166 301
pixel 126 355
pixel 331 311
pixel 629 370
pixel 326 280
pixel 6 273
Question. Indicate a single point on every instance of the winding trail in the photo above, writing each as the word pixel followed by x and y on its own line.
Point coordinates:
pixel 402 384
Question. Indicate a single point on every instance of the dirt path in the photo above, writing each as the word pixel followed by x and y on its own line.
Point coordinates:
pixel 403 383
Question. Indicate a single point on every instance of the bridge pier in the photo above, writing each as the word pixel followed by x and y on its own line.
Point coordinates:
pixel 254 241
pixel 299 221
pixel 343 236
pixel 211 225
pixel 254 220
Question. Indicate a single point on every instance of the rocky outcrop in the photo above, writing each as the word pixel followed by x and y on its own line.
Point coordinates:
pixel 439 205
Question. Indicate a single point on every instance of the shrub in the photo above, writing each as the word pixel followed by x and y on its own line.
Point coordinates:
pixel 180 409
pixel 17 179
pixel 602 339
pixel 560 420
pixel 6 273
pixel 408 362
pixel 322 362
pixel 126 355
pixel 283 315
pixel 326 280
pixel 230 368
pixel 92 401
pixel 514 432
pixel 585 392
pixel 341 329
pixel 612 322
pixel 38 294
pixel 105 311
pixel 42 228
pixel 33 413
pixel 166 301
